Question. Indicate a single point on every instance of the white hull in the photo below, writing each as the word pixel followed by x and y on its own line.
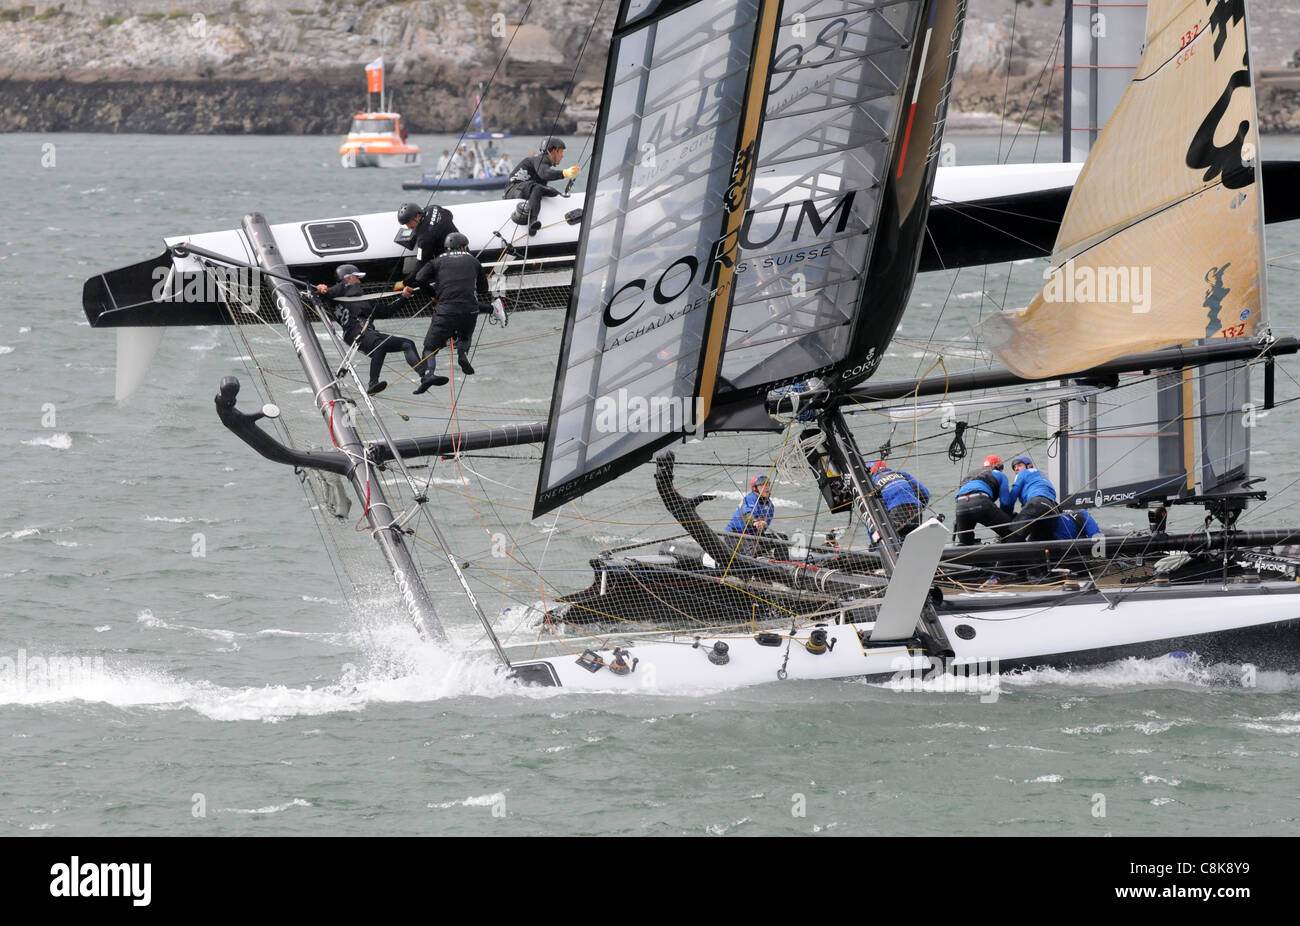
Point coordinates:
pixel 479 220
pixel 365 159
pixel 1147 622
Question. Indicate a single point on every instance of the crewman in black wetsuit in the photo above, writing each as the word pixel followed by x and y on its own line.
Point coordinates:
pixel 431 227
pixel 459 287
pixel 529 181
pixel 350 314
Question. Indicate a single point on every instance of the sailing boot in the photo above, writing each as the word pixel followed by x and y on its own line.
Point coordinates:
pixel 430 379
pixel 534 229
pixel 377 387
pixel 466 367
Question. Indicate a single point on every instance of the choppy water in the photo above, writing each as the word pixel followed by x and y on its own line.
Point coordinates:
pixel 241 685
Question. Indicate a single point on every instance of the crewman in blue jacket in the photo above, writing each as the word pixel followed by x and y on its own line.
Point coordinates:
pixel 903 495
pixel 1037 497
pixel 756 510
pixel 1075 524
pixel 978 501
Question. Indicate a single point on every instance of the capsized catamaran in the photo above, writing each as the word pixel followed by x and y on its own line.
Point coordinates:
pixel 759 207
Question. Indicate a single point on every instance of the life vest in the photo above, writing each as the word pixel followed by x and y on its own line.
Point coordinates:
pixel 985 476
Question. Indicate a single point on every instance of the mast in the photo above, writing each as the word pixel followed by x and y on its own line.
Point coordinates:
pixel 368 487
pixel 844 479
pixel 843 451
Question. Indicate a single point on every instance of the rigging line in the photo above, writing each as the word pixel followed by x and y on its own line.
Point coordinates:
pixel 977 206
pixel 573 79
pixel 238 337
pixel 1042 117
pixel 462 466
pixel 1033 93
pixel 947 299
pixel 486 87
pixel 735 549
pixel 1006 89
pixel 970 214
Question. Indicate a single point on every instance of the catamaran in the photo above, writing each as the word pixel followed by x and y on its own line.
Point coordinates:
pixel 761 201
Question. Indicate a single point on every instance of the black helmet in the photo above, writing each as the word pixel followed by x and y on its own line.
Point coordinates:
pixel 456 241
pixel 347 270
pixel 406 212
pixel 553 143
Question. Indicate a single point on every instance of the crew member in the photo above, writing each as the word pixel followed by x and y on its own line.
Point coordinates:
pixel 1072 525
pixel 429 230
pixel 373 343
pixel 529 181
pixel 1037 497
pixel 460 287
pixel 978 501
pixel 903 495
pixel 756 510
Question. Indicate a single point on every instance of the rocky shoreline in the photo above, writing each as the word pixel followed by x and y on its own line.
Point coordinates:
pixel 219 106
pixel 257 67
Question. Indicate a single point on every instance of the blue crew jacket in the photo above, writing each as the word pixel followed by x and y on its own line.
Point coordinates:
pixel 1068 529
pixel 977 484
pixel 751 509
pixel 1030 483
pixel 899 488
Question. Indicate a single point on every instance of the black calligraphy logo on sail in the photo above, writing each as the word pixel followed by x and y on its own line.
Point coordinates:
pixel 1222 11
pixel 1223 159
pixel 1228 160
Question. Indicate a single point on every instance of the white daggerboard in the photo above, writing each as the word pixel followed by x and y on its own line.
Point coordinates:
pixel 911 581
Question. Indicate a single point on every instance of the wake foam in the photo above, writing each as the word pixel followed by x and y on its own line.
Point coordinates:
pixel 57 441
pixel 1188 670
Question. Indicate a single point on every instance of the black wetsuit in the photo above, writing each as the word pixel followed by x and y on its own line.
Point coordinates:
pixel 374 344
pixel 430 241
pixel 459 285
pixel 1036 519
pixel 978 505
pixel 529 182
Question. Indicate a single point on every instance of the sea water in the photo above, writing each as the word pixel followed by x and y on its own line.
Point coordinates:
pixel 145 689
